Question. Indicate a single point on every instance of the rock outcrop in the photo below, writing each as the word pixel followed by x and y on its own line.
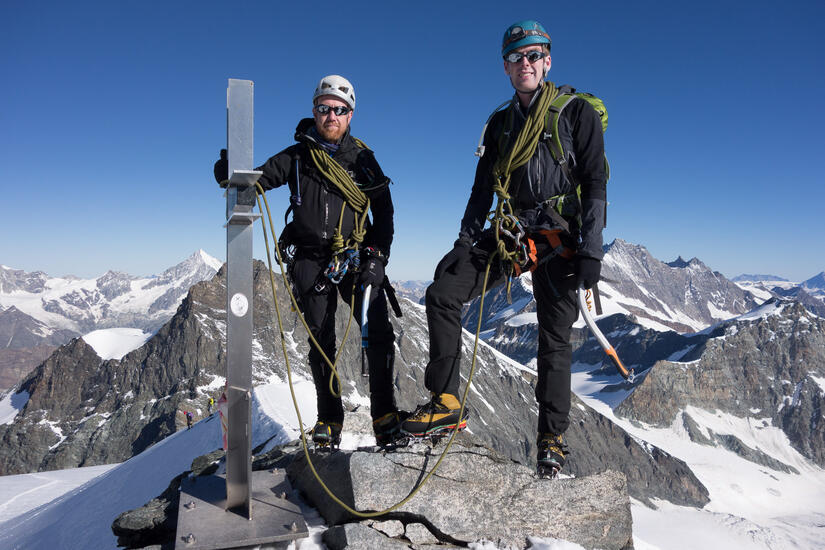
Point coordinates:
pixel 476 494
pixel 768 365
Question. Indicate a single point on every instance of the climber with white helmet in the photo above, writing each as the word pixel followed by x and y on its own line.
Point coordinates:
pixel 333 248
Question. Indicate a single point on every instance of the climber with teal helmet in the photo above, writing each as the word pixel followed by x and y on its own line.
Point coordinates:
pixel 537 205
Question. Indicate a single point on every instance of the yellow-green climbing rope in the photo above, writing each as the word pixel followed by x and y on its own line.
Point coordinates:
pixel 304 444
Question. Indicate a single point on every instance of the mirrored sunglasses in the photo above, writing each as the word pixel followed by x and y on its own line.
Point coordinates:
pixel 532 56
pixel 339 110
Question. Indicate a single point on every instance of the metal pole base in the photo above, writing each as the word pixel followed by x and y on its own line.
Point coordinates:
pixel 203 524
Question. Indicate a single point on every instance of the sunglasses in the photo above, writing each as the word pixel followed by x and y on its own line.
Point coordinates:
pixel 532 56
pixel 340 110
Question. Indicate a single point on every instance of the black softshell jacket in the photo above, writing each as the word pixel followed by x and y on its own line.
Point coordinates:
pixel 316 218
pixel 542 178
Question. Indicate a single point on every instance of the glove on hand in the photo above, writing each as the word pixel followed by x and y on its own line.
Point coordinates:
pixel 372 273
pixel 459 253
pixel 587 271
pixel 221 169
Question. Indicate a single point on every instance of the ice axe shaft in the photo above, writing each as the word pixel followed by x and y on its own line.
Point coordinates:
pixel 584 307
pixel 365 339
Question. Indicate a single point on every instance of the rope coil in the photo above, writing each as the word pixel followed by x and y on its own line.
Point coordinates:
pixel 503 218
pixel 353 196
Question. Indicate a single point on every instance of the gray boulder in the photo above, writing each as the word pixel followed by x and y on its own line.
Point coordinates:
pixel 475 494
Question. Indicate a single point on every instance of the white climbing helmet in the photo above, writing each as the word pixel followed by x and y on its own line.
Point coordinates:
pixel 337 86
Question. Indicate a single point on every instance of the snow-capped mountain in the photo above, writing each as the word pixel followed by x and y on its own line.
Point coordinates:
pixel 770 356
pixel 684 296
pixel 741 404
pixel 810 293
pixel 112 300
pixel 767 365
pixel 816 286
pixel 411 290
pixel 38 313
pixel 27 342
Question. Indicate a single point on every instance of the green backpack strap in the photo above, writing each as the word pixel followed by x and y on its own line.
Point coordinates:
pixel 551 124
pixel 601 110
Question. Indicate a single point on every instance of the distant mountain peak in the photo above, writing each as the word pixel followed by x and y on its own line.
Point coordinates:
pixel 678 263
pixel 198 263
pixel 211 261
pixel 754 278
pixel 815 282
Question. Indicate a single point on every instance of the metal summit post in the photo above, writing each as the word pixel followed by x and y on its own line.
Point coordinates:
pixel 240 199
pixel 216 511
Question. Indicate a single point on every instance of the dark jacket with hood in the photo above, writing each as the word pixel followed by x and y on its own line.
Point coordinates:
pixel 542 178
pixel 317 203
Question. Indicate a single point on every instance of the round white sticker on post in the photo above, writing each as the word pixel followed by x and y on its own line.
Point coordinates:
pixel 239 305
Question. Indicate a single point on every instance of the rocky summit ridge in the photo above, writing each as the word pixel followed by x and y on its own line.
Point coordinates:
pixel 476 494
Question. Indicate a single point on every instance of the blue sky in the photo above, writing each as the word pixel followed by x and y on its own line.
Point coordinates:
pixel 112 115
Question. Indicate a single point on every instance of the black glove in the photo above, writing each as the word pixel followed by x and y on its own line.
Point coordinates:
pixel 587 271
pixel 372 273
pixel 459 253
pixel 221 169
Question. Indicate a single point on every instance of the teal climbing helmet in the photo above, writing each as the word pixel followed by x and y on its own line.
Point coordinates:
pixel 524 33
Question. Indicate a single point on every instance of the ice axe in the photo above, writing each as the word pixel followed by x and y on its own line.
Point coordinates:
pixel 365 338
pixel 584 307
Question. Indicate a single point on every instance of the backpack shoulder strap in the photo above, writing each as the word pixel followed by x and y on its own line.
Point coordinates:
pixel 551 126
pixel 551 137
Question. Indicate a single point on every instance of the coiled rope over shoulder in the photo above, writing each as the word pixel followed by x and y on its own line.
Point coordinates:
pixel 503 218
pixel 353 196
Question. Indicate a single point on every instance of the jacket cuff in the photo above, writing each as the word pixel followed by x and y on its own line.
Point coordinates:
pixel 591 232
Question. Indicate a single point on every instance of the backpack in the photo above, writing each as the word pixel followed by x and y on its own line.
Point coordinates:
pixel 551 136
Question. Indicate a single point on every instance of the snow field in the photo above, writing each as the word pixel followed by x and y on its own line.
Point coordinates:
pixel 751 506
